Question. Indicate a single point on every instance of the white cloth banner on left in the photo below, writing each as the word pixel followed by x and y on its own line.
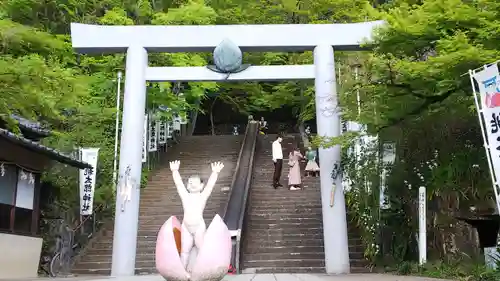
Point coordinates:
pixel 87 180
pixel 145 140
pixel 488 107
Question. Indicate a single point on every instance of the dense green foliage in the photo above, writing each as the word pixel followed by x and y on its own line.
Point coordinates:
pixel 412 85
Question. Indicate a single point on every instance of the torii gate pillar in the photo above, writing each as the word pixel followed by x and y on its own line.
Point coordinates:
pixel 317 37
pixel 328 124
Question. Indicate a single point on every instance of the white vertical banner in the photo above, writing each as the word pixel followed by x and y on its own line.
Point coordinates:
pixel 177 123
pixel 488 107
pixel 170 129
pixel 153 135
pixel 87 180
pixel 388 158
pixel 145 140
pixel 352 151
pixel 422 225
pixel 162 132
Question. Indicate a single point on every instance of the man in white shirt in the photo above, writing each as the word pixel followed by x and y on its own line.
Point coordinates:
pixel 278 161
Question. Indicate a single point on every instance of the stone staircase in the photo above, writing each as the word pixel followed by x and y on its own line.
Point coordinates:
pixel 159 200
pixel 283 229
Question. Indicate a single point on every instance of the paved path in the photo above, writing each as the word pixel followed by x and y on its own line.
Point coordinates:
pixel 259 277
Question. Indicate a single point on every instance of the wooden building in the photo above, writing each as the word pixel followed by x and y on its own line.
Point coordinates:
pixel 22 161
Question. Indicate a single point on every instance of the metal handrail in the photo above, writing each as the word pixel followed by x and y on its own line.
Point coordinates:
pixel 237 168
pixel 233 220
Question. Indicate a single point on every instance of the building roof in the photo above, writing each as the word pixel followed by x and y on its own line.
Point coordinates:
pixel 39 148
pixel 35 127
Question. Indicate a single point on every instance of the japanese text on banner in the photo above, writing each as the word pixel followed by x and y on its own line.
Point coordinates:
pixel 87 180
pixel 162 133
pixel 145 140
pixel 153 136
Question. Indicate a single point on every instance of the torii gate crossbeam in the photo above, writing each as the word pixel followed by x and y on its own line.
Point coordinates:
pixel 137 41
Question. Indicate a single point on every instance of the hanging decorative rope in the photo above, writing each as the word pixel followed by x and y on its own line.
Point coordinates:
pixel 2 168
pixel 25 174
pixel 228 58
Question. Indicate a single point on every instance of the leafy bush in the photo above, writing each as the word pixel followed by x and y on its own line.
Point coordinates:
pixel 462 270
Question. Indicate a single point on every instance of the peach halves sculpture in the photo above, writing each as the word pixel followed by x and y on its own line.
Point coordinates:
pixel 190 251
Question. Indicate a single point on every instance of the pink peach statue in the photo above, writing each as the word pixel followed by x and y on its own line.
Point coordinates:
pixel 189 251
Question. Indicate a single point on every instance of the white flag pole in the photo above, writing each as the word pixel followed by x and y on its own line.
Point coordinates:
pixel 117 127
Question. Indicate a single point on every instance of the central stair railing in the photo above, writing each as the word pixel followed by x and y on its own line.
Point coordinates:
pixel 234 213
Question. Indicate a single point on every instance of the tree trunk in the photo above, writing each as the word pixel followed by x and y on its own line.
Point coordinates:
pixel 212 116
pixel 192 125
pixel 193 119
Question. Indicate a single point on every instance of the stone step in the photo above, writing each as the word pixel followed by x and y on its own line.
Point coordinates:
pixel 264 270
pixel 251 248
pixel 141 256
pixel 287 242
pixel 107 271
pixel 300 227
pixel 280 233
pixel 285 219
pixel 285 261
pixel 107 264
pixel 281 256
pixel 270 269
pixel 298 209
pixel 317 262
pixel 269 205
pixel 293 237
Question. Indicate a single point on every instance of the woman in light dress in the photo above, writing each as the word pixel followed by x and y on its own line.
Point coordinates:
pixel 312 168
pixel 294 177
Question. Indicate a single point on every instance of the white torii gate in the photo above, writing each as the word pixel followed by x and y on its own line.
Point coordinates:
pixel 137 41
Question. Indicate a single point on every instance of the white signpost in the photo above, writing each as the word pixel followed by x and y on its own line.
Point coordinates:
pixel 137 41
pixel 87 180
pixel 422 226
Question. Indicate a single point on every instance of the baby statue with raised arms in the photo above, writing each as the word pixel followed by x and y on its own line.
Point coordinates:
pixel 194 199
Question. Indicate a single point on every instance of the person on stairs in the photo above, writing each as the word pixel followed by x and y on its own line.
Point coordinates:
pixel 294 177
pixel 262 126
pixel 312 168
pixel 278 161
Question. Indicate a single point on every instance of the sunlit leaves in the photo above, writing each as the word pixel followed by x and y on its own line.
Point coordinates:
pixel 17 39
pixel 191 14
pixel 116 16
